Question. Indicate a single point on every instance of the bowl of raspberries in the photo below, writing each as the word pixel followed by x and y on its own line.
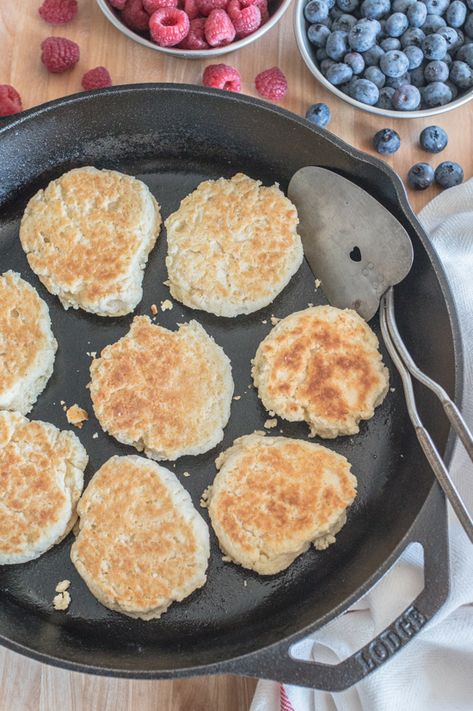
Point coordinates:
pixel 396 58
pixel 194 28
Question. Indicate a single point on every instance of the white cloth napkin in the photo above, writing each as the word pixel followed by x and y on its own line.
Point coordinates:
pixel 434 672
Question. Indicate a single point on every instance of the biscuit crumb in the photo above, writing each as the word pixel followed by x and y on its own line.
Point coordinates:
pixel 185 473
pixel 95 435
pixel 271 413
pixel 310 304
pixel 61 601
pixel 62 586
pixel 245 583
pixel 62 402
pixel 166 305
pixel 237 397
pixel 76 416
pixel 154 309
pixel 204 499
pixel 166 283
pixel 265 321
pixel 275 320
pixel 269 424
pixel 392 390
pixel 93 354
pixel 226 559
pixel 317 283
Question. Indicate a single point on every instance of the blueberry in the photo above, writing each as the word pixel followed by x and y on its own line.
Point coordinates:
pixel 406 98
pixel 436 94
pixel 416 14
pixel 414 36
pixel 339 73
pixel 319 114
pixel 318 34
pixel 462 75
pixel 415 56
pixel 397 82
pixel 396 24
pixel 365 91
pixel 337 45
pixel 417 77
pixel 460 40
pixel 465 54
pixel 468 27
pixel 390 43
pixel 321 54
pixel 402 5
pixel 433 139
pixel 362 36
pixel 448 60
pixel 355 61
pixel 434 47
pixel 347 5
pixel 436 71
pixel 387 141
pixel 450 36
pixel 394 63
pixel 375 9
pixel 433 23
pixel 348 88
pixel 385 98
pixel 456 13
pixel 315 11
pixel 373 55
pixel 436 7
pixel 448 174
pixel 452 88
pixel 375 75
pixel 421 176
pixel 325 64
pixel 344 23
pixel 330 3
pixel 469 4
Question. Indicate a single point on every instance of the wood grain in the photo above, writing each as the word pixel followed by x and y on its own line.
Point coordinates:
pixel 26 685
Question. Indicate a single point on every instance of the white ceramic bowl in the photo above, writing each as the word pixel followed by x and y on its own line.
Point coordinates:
pixel 307 51
pixel 279 7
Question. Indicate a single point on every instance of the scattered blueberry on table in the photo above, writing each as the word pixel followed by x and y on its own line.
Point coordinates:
pixel 423 49
pixel 421 176
pixel 319 114
pixel 387 141
pixel 433 139
pixel 448 174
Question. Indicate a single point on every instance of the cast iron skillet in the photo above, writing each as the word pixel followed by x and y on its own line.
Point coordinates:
pixel 173 137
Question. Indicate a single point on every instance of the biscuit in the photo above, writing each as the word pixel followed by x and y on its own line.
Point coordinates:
pixel 232 246
pixel 88 235
pixel 141 544
pixel 273 497
pixel 321 365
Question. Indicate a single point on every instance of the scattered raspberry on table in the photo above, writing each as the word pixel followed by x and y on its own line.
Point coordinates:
pixel 222 76
pixel 271 84
pixel 59 54
pixel 10 100
pixel 58 12
pixel 96 78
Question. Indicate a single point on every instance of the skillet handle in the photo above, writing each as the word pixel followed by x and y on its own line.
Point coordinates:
pixel 276 662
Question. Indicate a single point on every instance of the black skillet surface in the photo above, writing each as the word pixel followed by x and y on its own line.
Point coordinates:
pixel 173 138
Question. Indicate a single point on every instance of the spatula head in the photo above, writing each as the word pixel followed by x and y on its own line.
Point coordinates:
pixel 352 243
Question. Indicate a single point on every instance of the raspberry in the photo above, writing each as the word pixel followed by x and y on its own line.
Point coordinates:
pixel 221 76
pixel 59 54
pixel 134 16
pixel 262 5
pixel 245 20
pixel 271 84
pixel 192 11
pixel 10 100
pixel 219 29
pixel 196 37
pixel 151 6
pixel 58 12
pixel 96 78
pixel 168 26
pixel 206 6
pixel 118 4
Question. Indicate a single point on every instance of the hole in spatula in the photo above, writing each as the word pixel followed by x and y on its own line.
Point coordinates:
pixel 355 254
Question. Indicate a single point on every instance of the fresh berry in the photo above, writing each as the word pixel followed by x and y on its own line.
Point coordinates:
pixel 168 26
pixel 134 16
pixel 151 6
pixel 245 19
pixel 362 36
pixel 433 139
pixel 406 98
pixel 415 56
pixel 219 29
pixel 394 64
pixel 337 45
pixel 417 14
pixel 318 34
pixel 195 38
pixel 117 4
pixel 59 54
pixel 262 5
pixel 434 46
pixel 365 91
pixel 339 73
pixel 192 11
pixel 347 5
pixel 319 114
pixel 96 78
pixel 344 23
pixel 58 12
pixel 272 84
pixel 10 100
pixel 401 5
pixel 221 76
pixel 375 9
pixel 436 7
pixel 375 75
pixel 421 176
pixel 413 36
pixel 206 6
pixel 355 61
pixel 465 54
pixel 436 71
pixel 397 82
pixel 385 98
pixel 448 174
pixel 462 75
pixel 390 43
pixel 436 93
pixel 468 27
pixel 325 65
pixel 316 11
pixel 432 24
pixel 373 55
pixel 387 141
pixel 451 36
pixel 456 14
pixel 396 24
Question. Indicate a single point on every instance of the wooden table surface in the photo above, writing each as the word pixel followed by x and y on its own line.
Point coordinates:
pixel 28 685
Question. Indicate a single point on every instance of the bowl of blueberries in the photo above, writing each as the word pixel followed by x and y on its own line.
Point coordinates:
pixel 396 58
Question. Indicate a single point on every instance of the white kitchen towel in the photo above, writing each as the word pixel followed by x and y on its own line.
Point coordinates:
pixel 434 672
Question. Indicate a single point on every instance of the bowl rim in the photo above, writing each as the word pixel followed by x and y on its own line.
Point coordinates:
pixel 303 46
pixel 194 53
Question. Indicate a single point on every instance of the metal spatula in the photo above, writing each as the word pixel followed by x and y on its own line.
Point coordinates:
pixel 359 251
